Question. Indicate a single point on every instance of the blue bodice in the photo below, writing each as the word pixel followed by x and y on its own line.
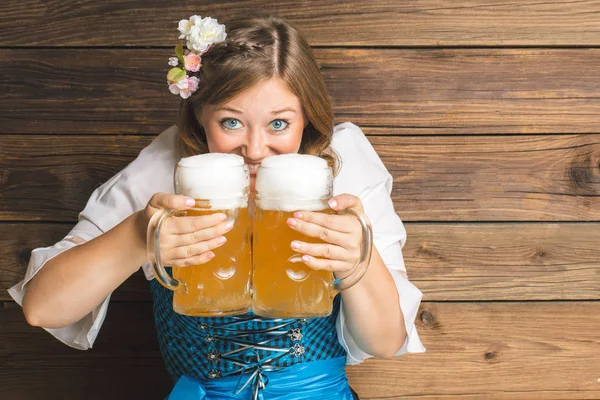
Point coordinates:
pixel 207 348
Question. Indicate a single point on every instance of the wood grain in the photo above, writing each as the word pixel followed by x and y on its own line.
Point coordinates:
pixel 45 178
pixel 447 262
pixel 530 350
pixel 439 178
pixel 524 178
pixel 323 22
pixel 392 91
pixel 124 363
pixel 504 261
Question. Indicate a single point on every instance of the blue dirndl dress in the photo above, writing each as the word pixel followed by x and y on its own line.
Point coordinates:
pixel 250 357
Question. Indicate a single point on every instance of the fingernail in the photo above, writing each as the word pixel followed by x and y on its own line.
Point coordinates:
pixel 306 258
pixel 332 203
pixel 221 240
pixel 298 214
pixel 291 222
pixel 190 202
pixel 210 255
pixel 229 225
pixel 295 245
pixel 222 217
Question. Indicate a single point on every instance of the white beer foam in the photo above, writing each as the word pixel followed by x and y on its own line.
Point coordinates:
pixel 220 178
pixel 290 182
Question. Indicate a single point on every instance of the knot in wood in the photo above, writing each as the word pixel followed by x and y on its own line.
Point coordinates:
pixel 581 175
pixel 490 355
pixel 427 318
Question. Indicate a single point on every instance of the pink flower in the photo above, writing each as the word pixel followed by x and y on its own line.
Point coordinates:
pixel 193 84
pixel 185 86
pixel 192 62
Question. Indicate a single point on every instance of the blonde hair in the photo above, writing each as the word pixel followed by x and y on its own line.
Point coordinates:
pixel 257 48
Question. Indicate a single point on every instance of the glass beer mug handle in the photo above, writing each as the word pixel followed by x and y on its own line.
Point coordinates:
pixel 153 249
pixel 365 253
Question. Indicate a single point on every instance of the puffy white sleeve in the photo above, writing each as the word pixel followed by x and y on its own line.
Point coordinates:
pixel 81 334
pixel 123 194
pixel 364 175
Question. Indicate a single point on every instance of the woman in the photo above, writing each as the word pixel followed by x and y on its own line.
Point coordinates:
pixel 256 91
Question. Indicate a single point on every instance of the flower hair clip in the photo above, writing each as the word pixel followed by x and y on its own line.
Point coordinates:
pixel 199 34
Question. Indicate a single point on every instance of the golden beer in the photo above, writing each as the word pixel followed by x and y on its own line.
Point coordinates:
pixel 219 183
pixel 222 285
pixel 283 285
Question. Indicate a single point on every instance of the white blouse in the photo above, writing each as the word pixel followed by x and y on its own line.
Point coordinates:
pixel 362 174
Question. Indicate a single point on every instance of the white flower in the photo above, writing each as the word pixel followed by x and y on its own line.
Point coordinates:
pixel 185 25
pixel 184 28
pixel 203 33
pixel 173 61
pixel 195 19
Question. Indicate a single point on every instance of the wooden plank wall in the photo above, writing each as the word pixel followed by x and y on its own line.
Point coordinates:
pixel 486 112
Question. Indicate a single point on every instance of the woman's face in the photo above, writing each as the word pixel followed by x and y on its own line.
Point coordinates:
pixel 265 120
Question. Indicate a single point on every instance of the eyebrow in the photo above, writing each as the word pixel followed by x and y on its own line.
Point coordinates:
pixel 240 112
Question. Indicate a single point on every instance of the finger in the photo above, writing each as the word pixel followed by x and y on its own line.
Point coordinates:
pixel 196 260
pixel 323 250
pixel 340 223
pixel 186 225
pixel 196 249
pixel 326 264
pixel 344 201
pixel 317 231
pixel 171 201
pixel 203 234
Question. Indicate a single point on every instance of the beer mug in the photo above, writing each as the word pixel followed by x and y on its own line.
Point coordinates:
pixel 219 183
pixel 283 286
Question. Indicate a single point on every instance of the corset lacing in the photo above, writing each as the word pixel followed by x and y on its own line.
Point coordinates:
pixel 245 355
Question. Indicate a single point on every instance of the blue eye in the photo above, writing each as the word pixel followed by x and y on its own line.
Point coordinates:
pixel 226 126
pixel 279 125
pixel 276 124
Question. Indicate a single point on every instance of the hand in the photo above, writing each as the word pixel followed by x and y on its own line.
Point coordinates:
pixel 184 240
pixel 342 234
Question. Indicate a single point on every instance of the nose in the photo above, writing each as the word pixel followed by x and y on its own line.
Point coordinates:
pixel 255 147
